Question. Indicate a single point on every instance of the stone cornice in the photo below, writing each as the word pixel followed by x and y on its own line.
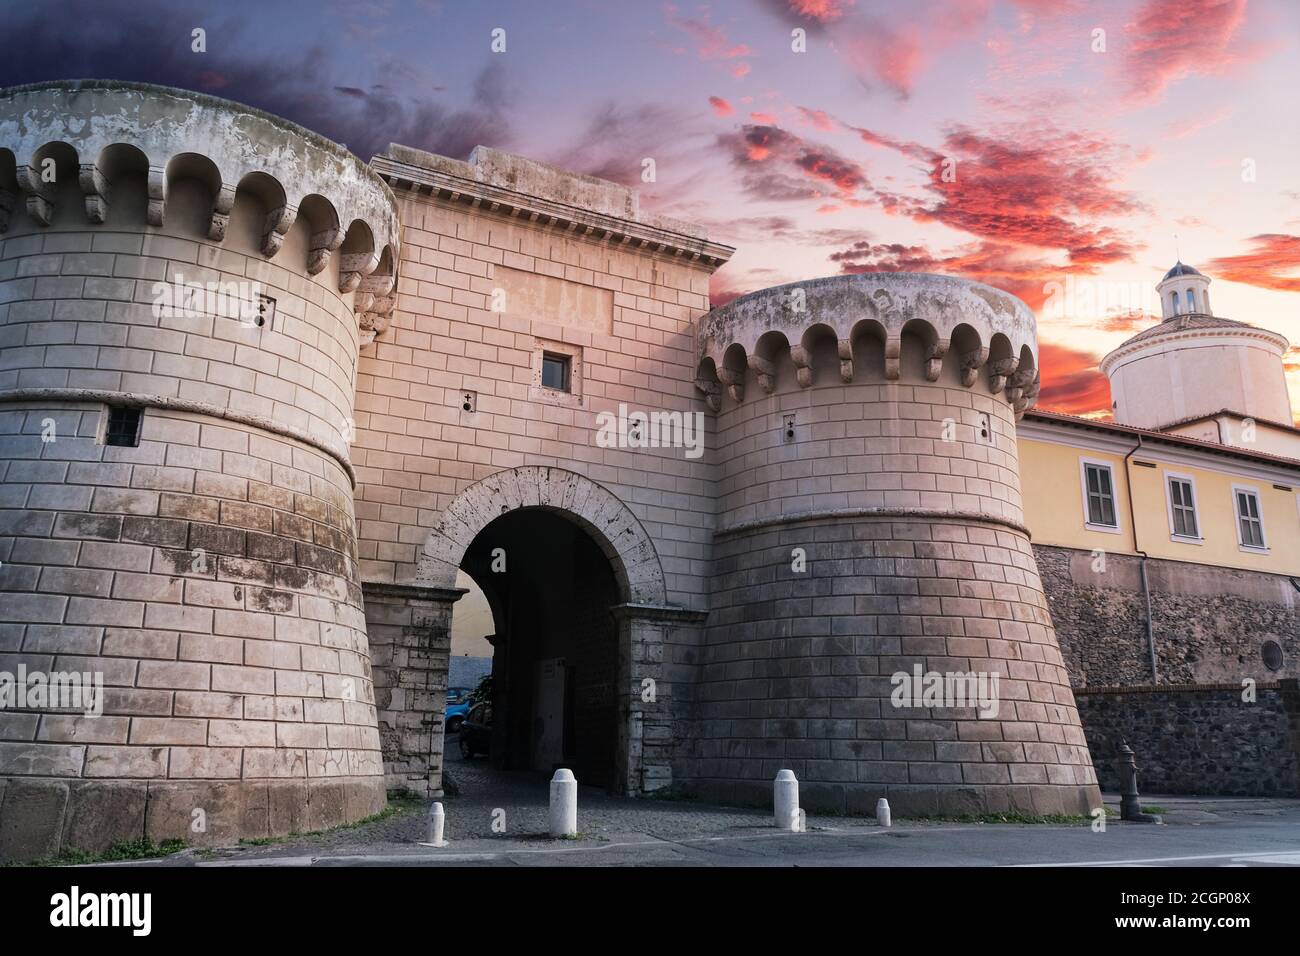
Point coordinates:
pixel 670 613
pixel 840 514
pixel 637 236
pixel 412 592
pixel 1128 350
pixel 985 333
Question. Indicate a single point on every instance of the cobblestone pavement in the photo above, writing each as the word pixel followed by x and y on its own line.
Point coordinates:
pixel 623 831
pixel 517 802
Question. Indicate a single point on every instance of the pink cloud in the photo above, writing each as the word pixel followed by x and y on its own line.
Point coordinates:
pixel 711 40
pixel 1181 129
pixel 889 56
pixel 1028 185
pixel 721 106
pixel 824 11
pixel 778 164
pixel 1174 39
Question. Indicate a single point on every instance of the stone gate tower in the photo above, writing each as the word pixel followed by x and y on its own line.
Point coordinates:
pixel 184 285
pixel 870 524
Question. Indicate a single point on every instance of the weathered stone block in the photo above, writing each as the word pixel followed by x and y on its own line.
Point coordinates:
pixel 31 819
pixel 102 814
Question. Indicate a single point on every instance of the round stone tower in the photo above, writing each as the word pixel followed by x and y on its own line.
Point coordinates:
pixel 184 286
pixel 877 621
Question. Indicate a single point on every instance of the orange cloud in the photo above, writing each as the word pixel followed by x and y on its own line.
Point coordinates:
pixel 721 106
pixel 1071 382
pixel 1274 255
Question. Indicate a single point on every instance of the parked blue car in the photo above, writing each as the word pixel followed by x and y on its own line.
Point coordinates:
pixel 457 708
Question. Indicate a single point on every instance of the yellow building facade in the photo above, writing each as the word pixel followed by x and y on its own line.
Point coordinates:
pixel 1236 494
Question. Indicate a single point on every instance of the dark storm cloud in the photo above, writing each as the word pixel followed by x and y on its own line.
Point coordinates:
pixel 151 43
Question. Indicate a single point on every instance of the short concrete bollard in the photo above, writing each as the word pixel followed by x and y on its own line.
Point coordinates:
pixel 882 812
pixel 785 801
pixel 564 803
pixel 436 820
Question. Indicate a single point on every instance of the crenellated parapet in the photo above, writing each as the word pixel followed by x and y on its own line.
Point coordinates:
pixel 98 134
pixel 859 327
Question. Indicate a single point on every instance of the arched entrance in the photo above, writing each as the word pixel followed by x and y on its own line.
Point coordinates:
pixel 595 509
pixel 555 660
pixel 578 600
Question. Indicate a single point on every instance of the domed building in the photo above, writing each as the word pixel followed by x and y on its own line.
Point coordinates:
pixel 1203 375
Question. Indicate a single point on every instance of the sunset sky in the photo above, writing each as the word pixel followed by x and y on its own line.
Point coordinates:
pixel 1074 165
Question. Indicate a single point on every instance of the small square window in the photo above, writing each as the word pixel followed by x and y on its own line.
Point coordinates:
pixel 555 371
pixel 123 426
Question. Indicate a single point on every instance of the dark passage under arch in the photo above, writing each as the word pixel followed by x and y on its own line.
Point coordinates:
pixel 556 654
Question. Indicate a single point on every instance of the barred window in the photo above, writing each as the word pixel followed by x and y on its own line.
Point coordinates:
pixel 123 427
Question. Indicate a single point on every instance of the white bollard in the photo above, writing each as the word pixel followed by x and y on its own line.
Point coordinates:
pixel 882 812
pixel 564 803
pixel 436 820
pixel 785 801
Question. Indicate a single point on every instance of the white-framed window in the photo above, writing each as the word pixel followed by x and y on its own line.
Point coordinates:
pixel 1180 494
pixel 1100 504
pixel 1250 518
pixel 1191 300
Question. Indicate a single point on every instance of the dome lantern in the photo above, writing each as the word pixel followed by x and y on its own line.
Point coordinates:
pixel 1184 291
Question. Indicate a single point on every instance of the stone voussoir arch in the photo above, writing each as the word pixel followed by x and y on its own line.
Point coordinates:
pixel 594 508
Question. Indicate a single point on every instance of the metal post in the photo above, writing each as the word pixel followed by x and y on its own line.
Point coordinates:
pixel 1129 809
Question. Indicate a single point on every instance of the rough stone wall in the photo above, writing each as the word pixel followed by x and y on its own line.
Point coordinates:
pixel 222 606
pixel 1209 622
pixel 410 639
pixel 795 671
pixel 416 450
pixel 1198 738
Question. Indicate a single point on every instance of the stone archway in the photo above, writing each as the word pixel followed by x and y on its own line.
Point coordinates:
pixel 591 506
pixel 411 657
